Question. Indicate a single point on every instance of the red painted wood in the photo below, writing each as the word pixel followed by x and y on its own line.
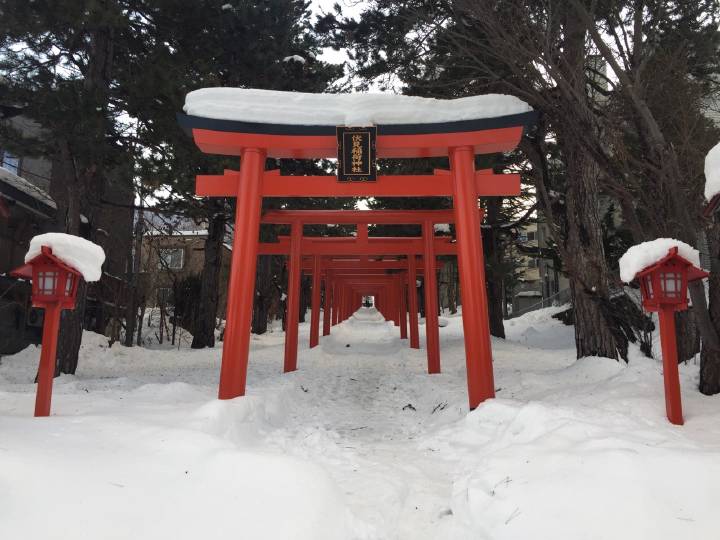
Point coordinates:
pixel 488 141
pixel 432 327
pixel 412 302
pixel 292 316
pixel 315 304
pixel 46 371
pixel 241 287
pixel 478 352
pixel 438 185
pixel 671 377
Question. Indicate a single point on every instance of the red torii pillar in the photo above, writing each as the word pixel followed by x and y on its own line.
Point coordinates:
pixel 432 327
pixel 327 304
pixel 471 263
pixel 412 302
pixel 315 304
pixel 241 285
pixel 293 300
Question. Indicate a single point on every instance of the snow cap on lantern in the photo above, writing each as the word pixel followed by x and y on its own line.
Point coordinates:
pixel 55 262
pixel 663 267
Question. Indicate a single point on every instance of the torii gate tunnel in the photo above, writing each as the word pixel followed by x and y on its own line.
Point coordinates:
pixel 345 284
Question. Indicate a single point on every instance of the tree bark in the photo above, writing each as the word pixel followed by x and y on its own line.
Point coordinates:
pixel 204 327
pixel 583 250
pixel 493 270
pixel 131 313
pixel 710 355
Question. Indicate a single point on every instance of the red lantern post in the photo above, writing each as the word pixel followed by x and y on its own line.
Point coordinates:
pixel 664 290
pixel 54 287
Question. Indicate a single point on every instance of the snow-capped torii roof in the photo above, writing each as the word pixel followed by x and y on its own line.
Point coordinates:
pixel 83 255
pixel 640 256
pixel 298 108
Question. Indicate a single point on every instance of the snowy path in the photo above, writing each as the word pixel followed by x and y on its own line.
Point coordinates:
pixel 358 443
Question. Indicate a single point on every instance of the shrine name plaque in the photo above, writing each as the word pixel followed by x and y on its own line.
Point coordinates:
pixel 356 154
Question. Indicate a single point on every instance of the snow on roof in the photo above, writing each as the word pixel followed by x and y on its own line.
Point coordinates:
pixel 84 256
pixel 175 232
pixel 297 108
pixel 712 172
pixel 641 256
pixel 19 183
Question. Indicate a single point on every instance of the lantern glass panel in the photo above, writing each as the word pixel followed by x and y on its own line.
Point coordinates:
pixel 671 283
pixel 46 282
pixel 649 287
pixel 69 284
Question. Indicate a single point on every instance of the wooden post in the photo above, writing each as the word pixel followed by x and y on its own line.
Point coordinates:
pixel 293 301
pixel 327 305
pixel 432 328
pixel 402 289
pixel 46 371
pixel 412 302
pixel 241 286
pixel 476 327
pixel 315 304
pixel 671 377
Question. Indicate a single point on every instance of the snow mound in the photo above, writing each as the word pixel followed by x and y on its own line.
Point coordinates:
pixel 646 254
pixel 84 256
pixel 298 108
pixel 712 172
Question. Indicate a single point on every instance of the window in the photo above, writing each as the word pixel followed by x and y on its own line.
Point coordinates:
pixel 10 162
pixel 532 263
pixel 164 296
pixel 531 236
pixel 172 258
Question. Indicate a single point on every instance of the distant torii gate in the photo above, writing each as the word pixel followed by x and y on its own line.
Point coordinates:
pixel 459 140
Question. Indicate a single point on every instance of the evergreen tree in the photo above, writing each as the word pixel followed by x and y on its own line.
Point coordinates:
pixel 57 60
pixel 266 44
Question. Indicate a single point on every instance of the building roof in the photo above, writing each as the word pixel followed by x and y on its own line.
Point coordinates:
pixel 26 194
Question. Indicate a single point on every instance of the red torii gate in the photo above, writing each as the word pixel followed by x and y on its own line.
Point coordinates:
pixel 458 140
pixel 363 246
pixel 337 266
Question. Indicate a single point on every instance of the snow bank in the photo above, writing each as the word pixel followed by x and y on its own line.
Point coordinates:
pixel 646 254
pixel 138 446
pixel 297 108
pixel 712 172
pixel 149 479
pixel 84 256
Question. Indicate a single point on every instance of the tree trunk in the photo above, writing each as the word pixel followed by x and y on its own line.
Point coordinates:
pixel 264 290
pixel 141 318
pixel 583 250
pixel 70 334
pixel 493 270
pixel 204 327
pixel 131 311
pixel 710 356
pixel 688 336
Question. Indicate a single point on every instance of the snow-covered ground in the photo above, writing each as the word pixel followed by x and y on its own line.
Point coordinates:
pixel 358 443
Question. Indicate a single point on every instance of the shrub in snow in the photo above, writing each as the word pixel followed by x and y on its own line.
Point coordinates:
pixel 84 256
pixel 712 172
pixel 646 254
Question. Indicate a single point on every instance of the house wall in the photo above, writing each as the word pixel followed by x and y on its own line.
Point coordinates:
pixel 154 276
